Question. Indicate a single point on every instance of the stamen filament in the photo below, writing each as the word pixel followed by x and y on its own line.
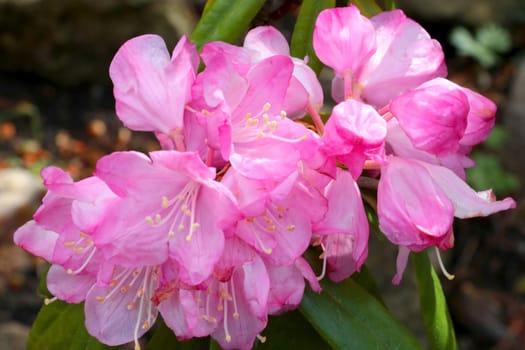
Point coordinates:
pixel 83 266
pixel 449 276
pixel 325 257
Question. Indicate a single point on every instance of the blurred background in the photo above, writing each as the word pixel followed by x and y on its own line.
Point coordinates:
pixel 56 107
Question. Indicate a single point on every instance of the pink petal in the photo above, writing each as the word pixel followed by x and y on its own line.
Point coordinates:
pixel 36 240
pixel 467 202
pixel 69 287
pixel 406 56
pixel 119 313
pixel 265 41
pixel 286 288
pixel 401 264
pixel 344 39
pixel 151 89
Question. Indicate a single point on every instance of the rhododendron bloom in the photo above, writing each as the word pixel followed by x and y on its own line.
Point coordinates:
pixel 375 59
pixel 166 211
pixel 434 116
pixel 344 229
pixel 417 202
pixel 246 118
pixel 212 231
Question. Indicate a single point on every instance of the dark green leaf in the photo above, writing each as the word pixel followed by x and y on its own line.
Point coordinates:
pixel 439 327
pixel 366 280
pixel 290 331
pixel 214 345
pixel 42 285
pixel 347 317
pixel 301 45
pixel 225 20
pixel 61 326
pixel 163 338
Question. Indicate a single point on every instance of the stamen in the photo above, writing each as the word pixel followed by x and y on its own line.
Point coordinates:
pixel 324 257
pixel 83 266
pixel 228 337
pixel 449 276
pixel 234 300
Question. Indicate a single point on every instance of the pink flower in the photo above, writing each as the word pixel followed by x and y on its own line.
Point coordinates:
pixel 433 116
pixel 171 207
pixel 344 229
pixel 417 202
pixel 231 308
pixel 60 235
pixel 245 118
pixel 281 229
pixel 377 59
pixel 354 133
pixel 413 210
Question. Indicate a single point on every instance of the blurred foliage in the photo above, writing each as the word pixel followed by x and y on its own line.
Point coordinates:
pixel 486 46
pixel 489 171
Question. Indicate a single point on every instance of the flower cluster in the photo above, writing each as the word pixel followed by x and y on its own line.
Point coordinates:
pixel 210 231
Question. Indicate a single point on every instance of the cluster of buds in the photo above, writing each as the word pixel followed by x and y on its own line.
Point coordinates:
pixel 211 230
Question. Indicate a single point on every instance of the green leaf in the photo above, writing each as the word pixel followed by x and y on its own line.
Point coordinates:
pixel 290 331
pixel 225 20
pixel 368 8
pixel 347 317
pixel 439 327
pixel 163 338
pixel 61 326
pixel 301 44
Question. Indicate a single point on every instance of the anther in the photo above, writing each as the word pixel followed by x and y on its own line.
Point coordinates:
pixel 171 234
pixel 101 299
pixel 283 114
pixel 181 227
pixel 149 220
pixel 165 202
pixel 267 107
pixel 290 227
pixel 69 244
pixel 158 218
pixel 48 301
pixel 261 338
